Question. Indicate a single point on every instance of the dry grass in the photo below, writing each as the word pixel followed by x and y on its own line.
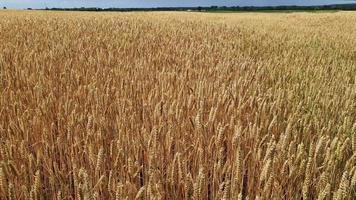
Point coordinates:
pixel 177 106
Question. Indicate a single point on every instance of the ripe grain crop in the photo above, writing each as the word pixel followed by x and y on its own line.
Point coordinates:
pixel 177 105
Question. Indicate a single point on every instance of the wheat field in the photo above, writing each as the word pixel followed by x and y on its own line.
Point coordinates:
pixel 177 105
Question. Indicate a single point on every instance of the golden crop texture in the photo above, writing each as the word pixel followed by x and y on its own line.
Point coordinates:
pixel 177 105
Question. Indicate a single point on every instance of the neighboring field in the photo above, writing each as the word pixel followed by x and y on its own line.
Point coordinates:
pixel 177 105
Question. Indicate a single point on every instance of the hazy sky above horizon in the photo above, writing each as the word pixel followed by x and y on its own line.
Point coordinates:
pixel 157 3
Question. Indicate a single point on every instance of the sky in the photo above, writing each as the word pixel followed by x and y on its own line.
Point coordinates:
pixel 157 3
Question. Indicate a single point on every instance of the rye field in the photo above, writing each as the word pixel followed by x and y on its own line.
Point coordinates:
pixel 177 105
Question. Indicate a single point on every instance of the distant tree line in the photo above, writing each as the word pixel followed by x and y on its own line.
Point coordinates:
pixel 220 8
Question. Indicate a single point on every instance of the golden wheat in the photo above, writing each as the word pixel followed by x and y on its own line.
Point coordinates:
pixel 177 105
